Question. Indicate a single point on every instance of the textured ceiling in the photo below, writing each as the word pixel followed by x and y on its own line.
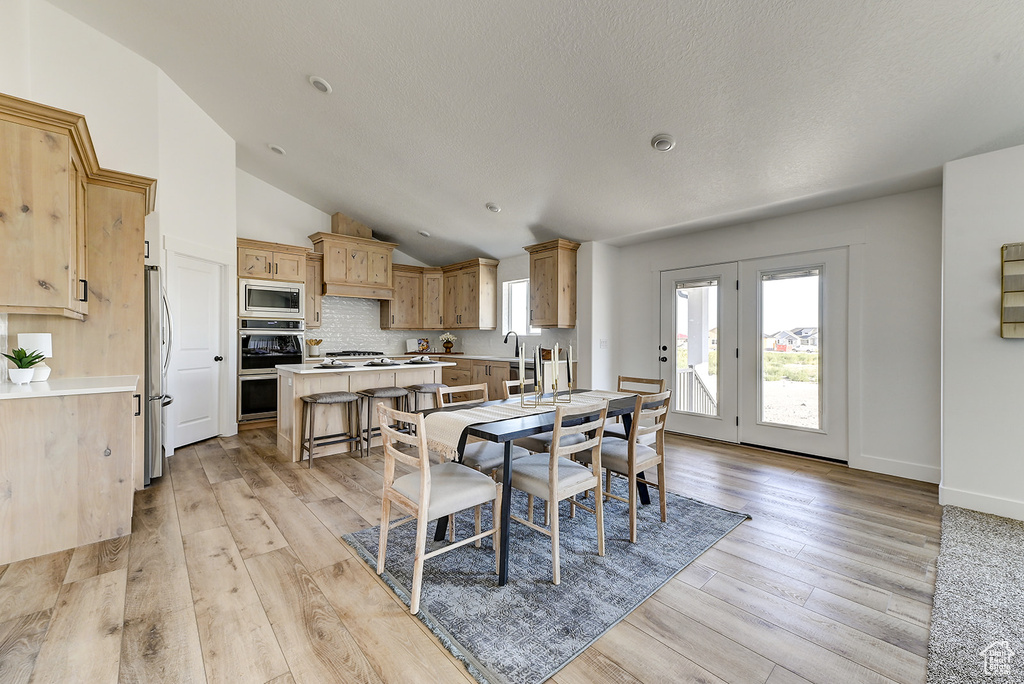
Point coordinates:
pixel 547 108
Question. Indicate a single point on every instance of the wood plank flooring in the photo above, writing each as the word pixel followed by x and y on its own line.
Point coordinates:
pixel 234 572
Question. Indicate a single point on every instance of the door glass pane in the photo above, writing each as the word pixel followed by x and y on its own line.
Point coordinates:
pixel 696 389
pixel 790 343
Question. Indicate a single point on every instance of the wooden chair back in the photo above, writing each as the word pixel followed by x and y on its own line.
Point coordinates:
pixel 594 417
pixel 511 387
pixel 649 419
pixel 391 438
pixel 446 395
pixel 649 385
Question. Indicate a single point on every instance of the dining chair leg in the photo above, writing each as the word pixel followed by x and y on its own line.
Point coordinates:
pixel 608 479
pixel 451 528
pixel 599 514
pixel 547 512
pixel 632 505
pixel 476 515
pixel 572 506
pixel 529 507
pixel 557 576
pixel 417 566
pixel 661 491
pixel 385 518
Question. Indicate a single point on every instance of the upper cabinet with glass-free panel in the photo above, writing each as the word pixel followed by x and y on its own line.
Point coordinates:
pixel 271 261
pixel 470 295
pixel 553 284
pixel 49 164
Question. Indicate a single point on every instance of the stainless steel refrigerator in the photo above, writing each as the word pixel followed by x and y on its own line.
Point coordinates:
pixel 158 357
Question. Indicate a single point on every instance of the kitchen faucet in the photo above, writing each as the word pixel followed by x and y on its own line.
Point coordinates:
pixel 505 341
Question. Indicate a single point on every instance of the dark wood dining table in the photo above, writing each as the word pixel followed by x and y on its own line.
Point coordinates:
pixel 508 430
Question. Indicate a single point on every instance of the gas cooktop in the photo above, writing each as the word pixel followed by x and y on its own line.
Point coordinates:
pixel 354 352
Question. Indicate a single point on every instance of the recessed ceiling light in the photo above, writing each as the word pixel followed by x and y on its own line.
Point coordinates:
pixel 424 233
pixel 491 206
pixel 320 84
pixel 663 142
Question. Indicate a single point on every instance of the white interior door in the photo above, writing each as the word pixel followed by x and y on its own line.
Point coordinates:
pixel 193 377
pixel 698 333
pixel 793 353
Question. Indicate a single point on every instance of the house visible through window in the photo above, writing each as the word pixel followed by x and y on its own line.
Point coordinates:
pixel 515 307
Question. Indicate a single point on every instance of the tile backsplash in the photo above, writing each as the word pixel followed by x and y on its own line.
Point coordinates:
pixel 350 323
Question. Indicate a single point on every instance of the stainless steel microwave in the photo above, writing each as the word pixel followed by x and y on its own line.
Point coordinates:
pixel 268 299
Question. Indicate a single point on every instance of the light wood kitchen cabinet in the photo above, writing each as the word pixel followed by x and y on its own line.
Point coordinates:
pixel 42 215
pixel 314 290
pixel 553 284
pixel 405 310
pixel 470 295
pixel 459 374
pixel 354 266
pixel 433 299
pixel 271 261
pixel 493 374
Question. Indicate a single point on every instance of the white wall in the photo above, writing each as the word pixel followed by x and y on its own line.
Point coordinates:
pixel 895 246
pixel 14 71
pixel 268 213
pixel 597 279
pixel 982 374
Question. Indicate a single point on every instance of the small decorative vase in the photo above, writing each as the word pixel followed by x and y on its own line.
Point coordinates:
pixel 40 373
pixel 20 376
pixel 448 347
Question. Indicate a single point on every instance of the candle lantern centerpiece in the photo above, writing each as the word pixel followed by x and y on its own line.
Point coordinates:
pixel 541 383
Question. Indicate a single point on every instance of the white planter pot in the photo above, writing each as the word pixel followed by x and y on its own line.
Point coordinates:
pixel 40 372
pixel 20 376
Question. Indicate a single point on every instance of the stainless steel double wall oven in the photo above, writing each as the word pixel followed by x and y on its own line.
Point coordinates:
pixel 263 344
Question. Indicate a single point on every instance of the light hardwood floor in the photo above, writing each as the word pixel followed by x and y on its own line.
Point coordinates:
pixel 234 572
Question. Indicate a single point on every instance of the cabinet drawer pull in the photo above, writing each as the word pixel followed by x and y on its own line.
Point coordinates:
pixel 138 404
pixel 85 290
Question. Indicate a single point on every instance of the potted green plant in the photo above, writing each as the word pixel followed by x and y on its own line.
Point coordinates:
pixel 23 361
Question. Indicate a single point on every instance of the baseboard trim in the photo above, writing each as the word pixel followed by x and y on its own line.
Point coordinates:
pixel 888 466
pixel 985 503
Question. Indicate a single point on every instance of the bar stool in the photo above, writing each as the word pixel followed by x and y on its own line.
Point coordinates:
pixel 309 439
pixel 401 397
pixel 426 388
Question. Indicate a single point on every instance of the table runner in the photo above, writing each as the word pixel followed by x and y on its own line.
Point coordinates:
pixel 445 428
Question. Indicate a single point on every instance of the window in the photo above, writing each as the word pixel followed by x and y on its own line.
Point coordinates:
pixel 515 307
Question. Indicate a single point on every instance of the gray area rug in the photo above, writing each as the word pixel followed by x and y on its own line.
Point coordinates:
pixel 529 629
pixel 977 630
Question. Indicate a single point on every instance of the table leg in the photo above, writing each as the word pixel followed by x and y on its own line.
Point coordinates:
pixel 641 488
pixel 506 515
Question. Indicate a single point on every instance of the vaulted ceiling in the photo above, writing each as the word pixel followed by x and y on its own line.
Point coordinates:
pixel 547 109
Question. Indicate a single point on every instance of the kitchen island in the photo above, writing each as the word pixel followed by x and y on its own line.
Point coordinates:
pixel 295 381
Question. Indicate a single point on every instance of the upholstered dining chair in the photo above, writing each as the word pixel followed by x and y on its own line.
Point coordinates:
pixel 428 493
pixel 554 476
pixel 630 457
pixel 484 456
pixel 639 386
pixel 541 442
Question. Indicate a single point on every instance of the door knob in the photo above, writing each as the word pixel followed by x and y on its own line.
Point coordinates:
pixel 218 358
pixel 664 347
pixel 664 359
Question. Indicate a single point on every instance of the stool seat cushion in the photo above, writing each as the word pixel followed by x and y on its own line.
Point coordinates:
pixel 385 392
pixel 330 398
pixel 427 387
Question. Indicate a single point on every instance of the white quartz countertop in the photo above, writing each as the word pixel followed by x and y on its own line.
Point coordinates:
pixel 473 357
pixel 357 367
pixel 64 387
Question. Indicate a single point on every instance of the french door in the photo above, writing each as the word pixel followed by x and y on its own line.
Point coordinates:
pixel 755 352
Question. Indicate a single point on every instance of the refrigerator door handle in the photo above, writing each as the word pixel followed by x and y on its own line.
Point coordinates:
pixel 167 400
pixel 170 331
